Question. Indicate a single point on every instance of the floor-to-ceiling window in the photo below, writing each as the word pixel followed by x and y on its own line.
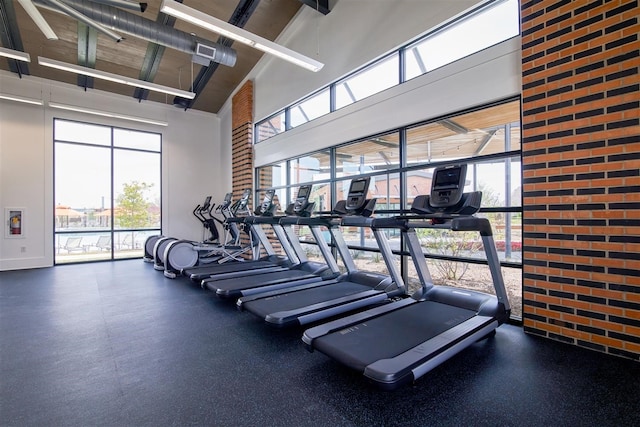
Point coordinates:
pixel 106 191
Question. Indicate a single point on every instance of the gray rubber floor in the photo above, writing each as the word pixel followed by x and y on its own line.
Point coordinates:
pixel 118 344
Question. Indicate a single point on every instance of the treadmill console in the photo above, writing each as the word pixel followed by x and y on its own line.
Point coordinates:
pixel 447 198
pixel 302 206
pixel 448 185
pixel 267 207
pixel 357 196
pixel 356 203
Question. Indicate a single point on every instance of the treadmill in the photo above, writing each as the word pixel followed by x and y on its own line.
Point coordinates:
pixel 300 273
pixel 354 290
pixel 397 343
pixel 272 261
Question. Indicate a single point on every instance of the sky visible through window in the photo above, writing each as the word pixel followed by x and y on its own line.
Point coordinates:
pixel 83 172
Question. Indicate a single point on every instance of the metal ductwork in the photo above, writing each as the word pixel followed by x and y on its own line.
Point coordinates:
pixel 151 31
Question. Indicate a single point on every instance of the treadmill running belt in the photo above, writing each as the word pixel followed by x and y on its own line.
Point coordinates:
pixel 360 345
pixel 294 300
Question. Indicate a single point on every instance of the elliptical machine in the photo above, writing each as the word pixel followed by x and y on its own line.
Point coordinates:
pixel 158 244
pixel 180 254
pixel 204 214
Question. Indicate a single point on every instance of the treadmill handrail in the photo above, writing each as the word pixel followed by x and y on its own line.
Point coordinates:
pixel 455 223
pixel 326 221
pixel 263 219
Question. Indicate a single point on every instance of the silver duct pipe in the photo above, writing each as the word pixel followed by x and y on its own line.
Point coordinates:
pixel 80 17
pixel 125 4
pixel 146 29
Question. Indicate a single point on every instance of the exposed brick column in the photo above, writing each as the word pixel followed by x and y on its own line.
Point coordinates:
pixel 242 143
pixel 242 139
pixel 242 155
pixel 581 162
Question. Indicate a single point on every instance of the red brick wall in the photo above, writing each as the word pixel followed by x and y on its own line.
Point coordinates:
pixel 242 144
pixel 242 139
pixel 581 179
pixel 242 150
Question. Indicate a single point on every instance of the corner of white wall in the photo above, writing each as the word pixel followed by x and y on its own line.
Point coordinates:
pixel 191 160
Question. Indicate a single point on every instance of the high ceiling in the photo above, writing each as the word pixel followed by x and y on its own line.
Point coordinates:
pixel 140 59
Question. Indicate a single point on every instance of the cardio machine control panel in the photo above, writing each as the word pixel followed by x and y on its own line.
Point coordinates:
pixel 227 201
pixel 447 197
pixel 357 196
pixel 241 205
pixel 267 207
pixel 448 185
pixel 301 206
pixel 356 202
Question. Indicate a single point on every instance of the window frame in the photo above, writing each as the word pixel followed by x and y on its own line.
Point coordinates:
pixel 403 170
pixel 402 55
pixel 112 229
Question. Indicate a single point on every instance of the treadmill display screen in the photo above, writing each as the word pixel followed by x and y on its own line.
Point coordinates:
pixel 304 192
pixel 357 186
pixel 447 178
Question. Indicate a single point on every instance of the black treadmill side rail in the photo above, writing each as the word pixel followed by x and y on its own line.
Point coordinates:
pixel 389 374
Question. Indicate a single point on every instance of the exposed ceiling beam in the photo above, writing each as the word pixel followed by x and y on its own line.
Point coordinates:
pixel 321 6
pixel 484 142
pixel 152 57
pixel 10 36
pixel 146 29
pixel 453 126
pixel 87 52
pixel 150 66
pixel 157 32
pixel 384 143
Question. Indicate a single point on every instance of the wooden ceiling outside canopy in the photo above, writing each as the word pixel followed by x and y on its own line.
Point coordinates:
pixel 126 57
pixel 480 132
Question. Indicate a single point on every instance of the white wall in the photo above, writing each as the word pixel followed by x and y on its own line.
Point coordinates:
pixel 191 153
pixel 25 183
